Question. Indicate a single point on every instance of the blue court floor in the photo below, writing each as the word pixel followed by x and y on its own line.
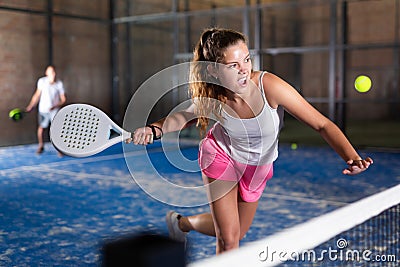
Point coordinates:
pixel 60 211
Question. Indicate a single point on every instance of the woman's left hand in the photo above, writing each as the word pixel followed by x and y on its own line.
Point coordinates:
pixel 357 166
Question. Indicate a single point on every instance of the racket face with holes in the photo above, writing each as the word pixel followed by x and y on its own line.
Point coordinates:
pixel 81 130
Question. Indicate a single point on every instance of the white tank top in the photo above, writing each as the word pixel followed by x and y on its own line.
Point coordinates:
pixel 251 141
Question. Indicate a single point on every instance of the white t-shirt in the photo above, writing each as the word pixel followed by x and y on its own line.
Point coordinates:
pixel 50 93
pixel 251 141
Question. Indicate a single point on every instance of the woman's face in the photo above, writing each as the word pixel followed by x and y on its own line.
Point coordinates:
pixel 235 69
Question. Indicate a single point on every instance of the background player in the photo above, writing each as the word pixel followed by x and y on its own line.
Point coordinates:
pixel 50 95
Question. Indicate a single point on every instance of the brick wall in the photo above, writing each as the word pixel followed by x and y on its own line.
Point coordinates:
pixel 82 52
pixel 81 55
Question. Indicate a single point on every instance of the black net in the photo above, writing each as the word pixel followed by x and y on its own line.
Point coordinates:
pixel 376 242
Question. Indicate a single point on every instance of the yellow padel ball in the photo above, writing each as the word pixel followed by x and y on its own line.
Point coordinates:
pixel 362 83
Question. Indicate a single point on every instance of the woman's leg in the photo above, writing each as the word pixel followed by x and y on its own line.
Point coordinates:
pixel 247 211
pixel 203 223
pixel 225 216
pixel 230 217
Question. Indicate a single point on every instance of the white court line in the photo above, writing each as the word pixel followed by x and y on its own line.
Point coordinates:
pixel 126 179
pixel 52 167
pixel 73 161
pixel 91 159
pixel 306 199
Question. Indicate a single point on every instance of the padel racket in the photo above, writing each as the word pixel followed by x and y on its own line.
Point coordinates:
pixel 16 114
pixel 81 130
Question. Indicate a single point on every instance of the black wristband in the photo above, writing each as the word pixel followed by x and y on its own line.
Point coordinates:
pixel 153 129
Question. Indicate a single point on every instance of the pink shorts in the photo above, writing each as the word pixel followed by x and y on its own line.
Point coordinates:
pixel 216 164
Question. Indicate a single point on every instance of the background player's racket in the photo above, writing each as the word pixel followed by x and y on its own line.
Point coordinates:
pixel 16 114
pixel 81 130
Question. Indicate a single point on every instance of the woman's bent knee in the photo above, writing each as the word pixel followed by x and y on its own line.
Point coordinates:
pixel 230 241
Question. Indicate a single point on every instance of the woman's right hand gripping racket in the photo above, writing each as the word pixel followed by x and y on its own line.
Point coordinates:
pixel 81 130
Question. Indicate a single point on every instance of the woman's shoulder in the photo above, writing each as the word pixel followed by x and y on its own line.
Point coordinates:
pixel 256 76
pixel 272 85
pixel 267 78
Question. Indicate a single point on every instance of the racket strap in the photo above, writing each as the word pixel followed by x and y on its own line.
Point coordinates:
pixel 153 129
